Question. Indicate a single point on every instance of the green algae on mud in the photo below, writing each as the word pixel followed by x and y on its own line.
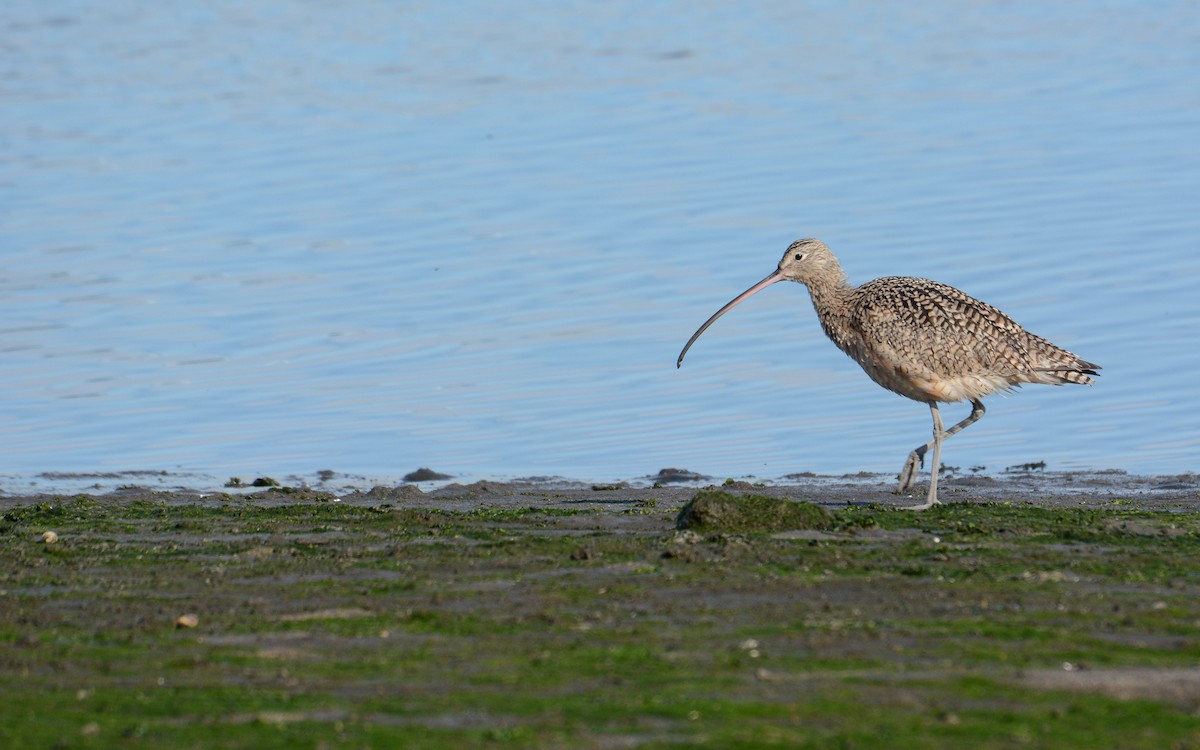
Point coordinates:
pixel 527 617
pixel 717 510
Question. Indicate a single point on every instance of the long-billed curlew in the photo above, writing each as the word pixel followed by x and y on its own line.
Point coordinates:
pixel 921 339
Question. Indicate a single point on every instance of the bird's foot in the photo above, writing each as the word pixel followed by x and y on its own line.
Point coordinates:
pixel 923 506
pixel 908 474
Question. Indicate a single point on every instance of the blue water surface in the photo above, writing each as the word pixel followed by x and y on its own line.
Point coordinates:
pixel 286 236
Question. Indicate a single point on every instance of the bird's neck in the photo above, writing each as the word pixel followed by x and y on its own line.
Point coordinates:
pixel 831 299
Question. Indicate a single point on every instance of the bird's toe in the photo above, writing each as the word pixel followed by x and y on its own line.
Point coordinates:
pixel 923 506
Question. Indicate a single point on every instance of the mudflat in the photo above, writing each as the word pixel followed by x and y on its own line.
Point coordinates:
pixel 1032 609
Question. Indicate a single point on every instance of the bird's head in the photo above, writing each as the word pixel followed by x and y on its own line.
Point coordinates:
pixel 806 260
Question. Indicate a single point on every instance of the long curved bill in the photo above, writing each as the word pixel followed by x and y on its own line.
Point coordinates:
pixel 773 278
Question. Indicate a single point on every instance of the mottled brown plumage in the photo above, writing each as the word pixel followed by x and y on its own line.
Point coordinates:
pixel 921 339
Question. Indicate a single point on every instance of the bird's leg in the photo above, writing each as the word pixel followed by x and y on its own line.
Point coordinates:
pixel 916 459
pixel 908 473
pixel 939 434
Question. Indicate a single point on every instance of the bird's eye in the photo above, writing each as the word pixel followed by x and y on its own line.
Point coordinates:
pixel 799 256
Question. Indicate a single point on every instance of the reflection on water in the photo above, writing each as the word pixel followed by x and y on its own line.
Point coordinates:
pixel 288 238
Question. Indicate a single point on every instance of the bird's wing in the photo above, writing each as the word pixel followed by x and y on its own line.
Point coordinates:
pixel 932 326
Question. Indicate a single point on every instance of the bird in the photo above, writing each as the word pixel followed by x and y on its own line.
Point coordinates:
pixel 922 339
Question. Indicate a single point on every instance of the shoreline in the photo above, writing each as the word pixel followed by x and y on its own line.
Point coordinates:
pixel 1044 488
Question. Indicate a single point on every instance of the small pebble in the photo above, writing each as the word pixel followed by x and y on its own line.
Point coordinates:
pixel 49 537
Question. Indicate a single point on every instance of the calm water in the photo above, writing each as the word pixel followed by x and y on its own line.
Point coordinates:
pixel 286 236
